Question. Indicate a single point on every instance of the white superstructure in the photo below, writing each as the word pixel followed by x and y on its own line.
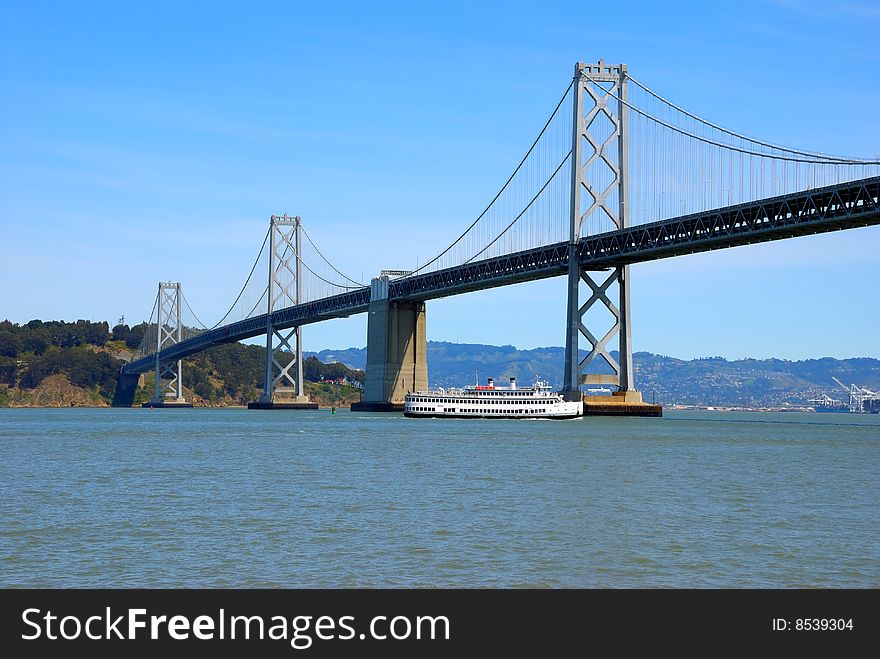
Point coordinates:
pixel 491 402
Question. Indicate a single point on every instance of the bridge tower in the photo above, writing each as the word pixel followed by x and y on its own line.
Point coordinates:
pixel 283 383
pixel 599 193
pixel 168 383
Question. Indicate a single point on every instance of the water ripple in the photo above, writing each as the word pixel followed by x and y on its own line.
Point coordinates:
pixel 228 498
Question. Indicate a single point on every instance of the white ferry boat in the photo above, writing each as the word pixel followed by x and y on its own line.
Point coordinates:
pixel 491 402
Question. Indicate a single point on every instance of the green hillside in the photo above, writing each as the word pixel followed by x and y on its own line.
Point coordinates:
pixel 57 363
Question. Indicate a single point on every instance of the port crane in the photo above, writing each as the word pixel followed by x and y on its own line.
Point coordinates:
pixel 861 399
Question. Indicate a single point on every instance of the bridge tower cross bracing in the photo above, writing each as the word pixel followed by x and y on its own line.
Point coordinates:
pixel 283 383
pixel 592 195
pixel 168 384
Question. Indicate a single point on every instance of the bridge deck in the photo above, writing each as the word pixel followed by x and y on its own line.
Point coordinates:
pixel 833 208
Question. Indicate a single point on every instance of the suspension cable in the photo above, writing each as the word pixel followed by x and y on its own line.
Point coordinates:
pixel 254 308
pixel 186 302
pixel 247 281
pixel 812 154
pixel 142 348
pixel 523 212
pixel 824 161
pixel 503 187
pixel 309 238
pixel 326 281
pixel 291 248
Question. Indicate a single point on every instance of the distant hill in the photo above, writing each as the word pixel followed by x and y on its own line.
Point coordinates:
pixel 709 381
pixel 57 363
pixel 455 364
pixel 764 382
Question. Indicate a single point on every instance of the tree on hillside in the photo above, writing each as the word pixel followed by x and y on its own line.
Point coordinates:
pixel 10 344
pixel 96 334
pixel 120 332
pixel 8 370
pixel 135 336
pixel 312 369
pixel 36 341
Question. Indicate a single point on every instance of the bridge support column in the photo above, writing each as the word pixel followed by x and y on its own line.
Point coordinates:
pixel 283 381
pixel 168 382
pixel 599 203
pixel 396 347
pixel 126 387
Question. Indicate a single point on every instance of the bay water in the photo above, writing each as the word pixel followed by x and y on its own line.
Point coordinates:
pixel 238 498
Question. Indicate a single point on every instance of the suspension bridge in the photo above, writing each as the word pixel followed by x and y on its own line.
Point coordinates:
pixel 617 175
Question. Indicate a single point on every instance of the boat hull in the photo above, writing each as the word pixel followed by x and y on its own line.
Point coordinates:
pixel 526 417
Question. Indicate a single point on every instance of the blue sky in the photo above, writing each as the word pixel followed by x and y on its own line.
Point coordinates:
pixel 153 142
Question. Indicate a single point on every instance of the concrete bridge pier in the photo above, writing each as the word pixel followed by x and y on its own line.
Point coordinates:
pixel 396 347
pixel 126 386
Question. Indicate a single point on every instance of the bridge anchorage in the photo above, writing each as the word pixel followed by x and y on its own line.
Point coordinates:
pixel 618 175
